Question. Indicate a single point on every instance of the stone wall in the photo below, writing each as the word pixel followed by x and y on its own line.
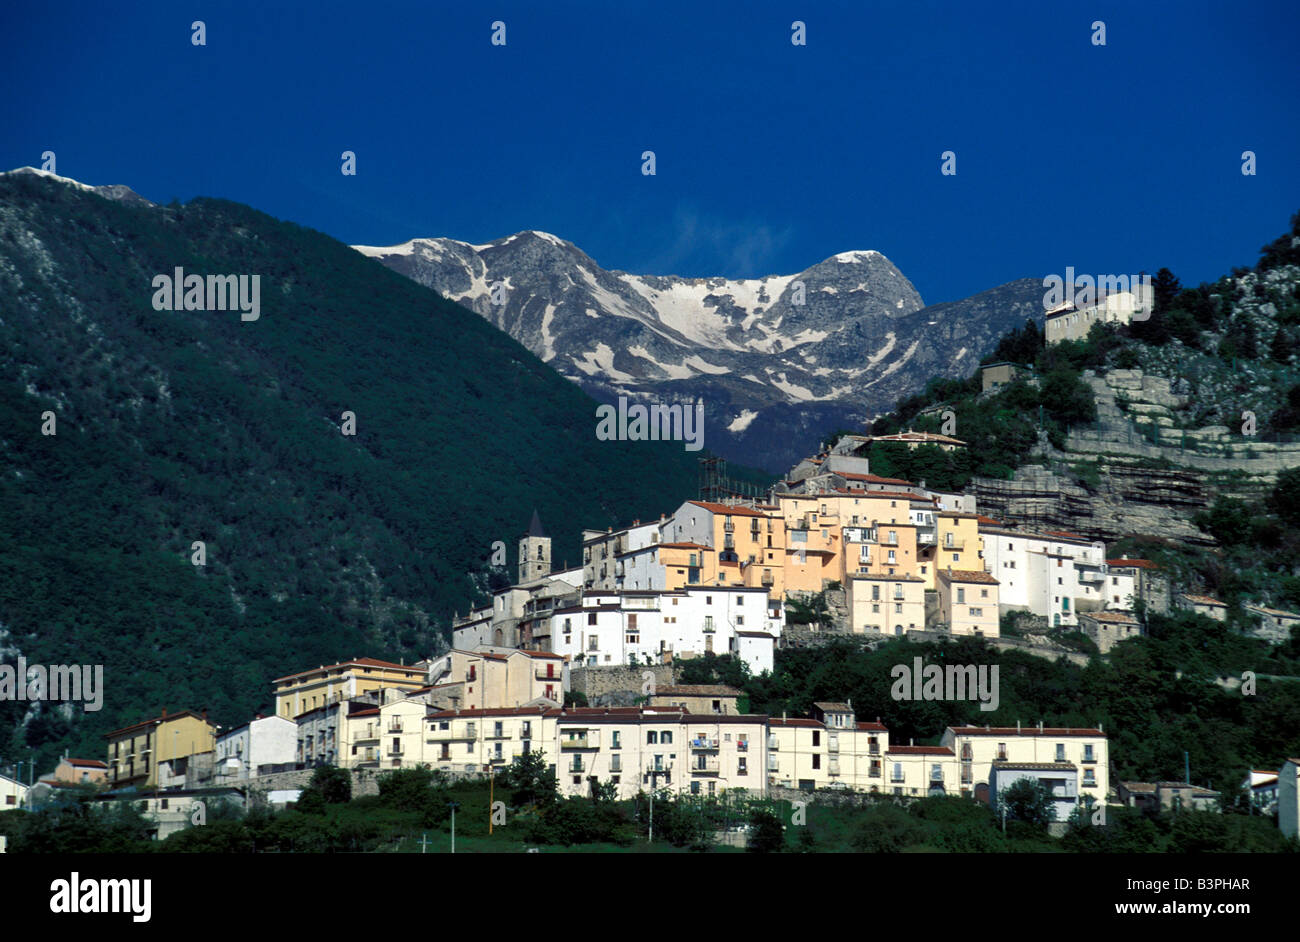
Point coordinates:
pixel 617 682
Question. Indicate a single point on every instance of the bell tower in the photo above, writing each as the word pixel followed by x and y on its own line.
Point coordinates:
pixel 534 552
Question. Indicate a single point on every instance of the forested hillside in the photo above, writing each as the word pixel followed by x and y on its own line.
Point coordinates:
pixel 182 426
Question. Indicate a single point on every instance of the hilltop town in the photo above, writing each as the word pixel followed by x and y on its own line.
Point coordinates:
pixel 581 664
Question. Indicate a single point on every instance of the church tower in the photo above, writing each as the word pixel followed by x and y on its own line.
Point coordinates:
pixel 534 552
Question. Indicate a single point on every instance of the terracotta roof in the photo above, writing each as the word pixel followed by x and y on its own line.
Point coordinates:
pixel 155 720
pixel 1133 563
pixel 1203 600
pixel 726 509
pixel 87 763
pixel 871 478
pixel 797 721
pixel 968 575
pixel 874 727
pixel 919 750
pixel 755 634
pixel 989 521
pixel 1034 766
pixel 358 662
pixel 1025 731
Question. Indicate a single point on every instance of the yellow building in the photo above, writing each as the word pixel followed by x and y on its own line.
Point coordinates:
pixel 921 771
pixel 135 753
pixel 892 605
pixel 697 698
pixel 968 602
pixel 480 741
pixel 304 691
pixel 828 750
pixel 957 545
pixel 813 542
pixel 1076 761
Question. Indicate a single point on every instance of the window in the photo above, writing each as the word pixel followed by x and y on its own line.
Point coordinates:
pixel 1002 751
pixel 1087 753
pixel 651 738
pixel 817 738
pixel 616 740
pixel 898 608
pixel 817 760
pixel 961 595
pixel 666 737
pixel 1060 752
pixel 593 643
pixel 591 618
pixel 740 599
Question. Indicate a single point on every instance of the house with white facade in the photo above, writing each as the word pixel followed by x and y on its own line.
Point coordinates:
pixel 267 743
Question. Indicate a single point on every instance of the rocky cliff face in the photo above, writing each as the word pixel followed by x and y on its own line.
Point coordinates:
pixel 1128 500
pixel 778 360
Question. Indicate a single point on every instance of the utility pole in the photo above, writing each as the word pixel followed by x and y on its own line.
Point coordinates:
pixel 453 806
pixel 650 835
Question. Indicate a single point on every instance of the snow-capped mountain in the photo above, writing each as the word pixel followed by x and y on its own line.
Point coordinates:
pixel 112 191
pixel 773 373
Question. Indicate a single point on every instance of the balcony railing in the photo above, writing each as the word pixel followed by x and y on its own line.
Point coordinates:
pixel 832 744
pixel 577 765
pixel 953 543
pixel 896 777
pixel 707 767
pixel 704 743
pixel 577 742
pixel 542 674
pixel 773 742
pixel 742 745
pixel 767 579
pixel 874 771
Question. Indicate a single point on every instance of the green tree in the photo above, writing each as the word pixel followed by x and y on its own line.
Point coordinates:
pixel 767 834
pixel 1028 800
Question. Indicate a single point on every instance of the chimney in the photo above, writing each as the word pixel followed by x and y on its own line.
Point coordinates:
pixel 1017 727
pixel 911 741
pixel 1040 726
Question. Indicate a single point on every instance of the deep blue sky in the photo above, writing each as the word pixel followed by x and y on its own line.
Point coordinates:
pixel 770 157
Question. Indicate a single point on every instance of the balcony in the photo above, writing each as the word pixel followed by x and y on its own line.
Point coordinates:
pixel 897 778
pixel 772 765
pixel 832 744
pixel 773 742
pixel 953 543
pixel 499 760
pixel 874 771
pixel 873 749
pixel 577 765
pixel 742 745
pixel 704 743
pixel 833 768
pixel 580 742
pixel 394 728
pixel 395 750
pixel 542 674
pixel 767 579
pixel 936 775
pixel 728 528
pixel 1091 575
pixel 704 767
pixel 728 542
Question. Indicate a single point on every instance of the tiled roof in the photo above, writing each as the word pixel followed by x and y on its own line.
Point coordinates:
pixel 358 662
pixel 830 707
pixel 1203 600
pixel 968 575
pixel 1024 731
pixel 919 750
pixel 726 509
pixel 1134 563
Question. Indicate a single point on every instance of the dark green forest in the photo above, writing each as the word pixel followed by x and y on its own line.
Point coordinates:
pixel 177 426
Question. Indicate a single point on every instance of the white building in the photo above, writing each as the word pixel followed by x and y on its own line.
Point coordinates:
pixel 251 749
pixel 13 793
pixel 652 627
pixel 1288 797
pixel 1053 574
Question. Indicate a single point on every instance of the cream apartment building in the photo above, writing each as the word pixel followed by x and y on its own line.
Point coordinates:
pixel 968 602
pixel 892 605
pixel 1077 758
